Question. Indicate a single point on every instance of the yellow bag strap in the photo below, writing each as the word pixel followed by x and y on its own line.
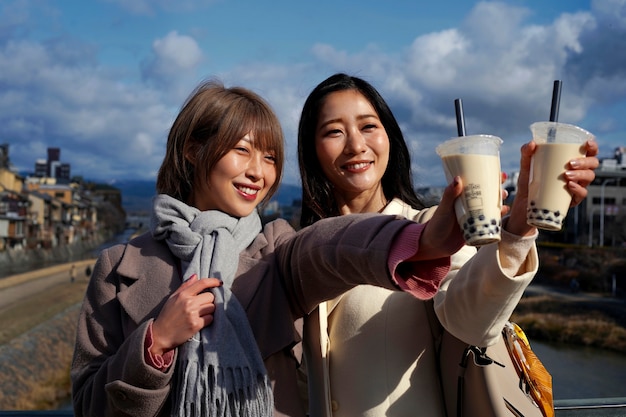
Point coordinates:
pixel 529 368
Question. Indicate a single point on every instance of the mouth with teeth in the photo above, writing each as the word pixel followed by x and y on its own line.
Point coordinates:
pixel 247 192
pixel 359 166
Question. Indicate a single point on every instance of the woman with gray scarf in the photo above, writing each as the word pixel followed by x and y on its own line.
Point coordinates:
pixel 198 317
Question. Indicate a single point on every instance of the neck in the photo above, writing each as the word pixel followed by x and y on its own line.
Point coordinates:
pixel 374 203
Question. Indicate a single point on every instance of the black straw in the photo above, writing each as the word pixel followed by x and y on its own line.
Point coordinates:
pixel 460 119
pixel 556 101
pixel 554 109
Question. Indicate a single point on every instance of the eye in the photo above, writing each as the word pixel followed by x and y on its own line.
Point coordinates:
pixel 242 149
pixel 270 158
pixel 332 133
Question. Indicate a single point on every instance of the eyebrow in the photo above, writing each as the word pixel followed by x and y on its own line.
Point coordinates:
pixel 359 117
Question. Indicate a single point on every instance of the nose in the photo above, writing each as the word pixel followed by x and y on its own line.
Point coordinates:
pixel 355 142
pixel 254 169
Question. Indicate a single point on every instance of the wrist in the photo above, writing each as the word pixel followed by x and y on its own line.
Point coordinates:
pixel 517 225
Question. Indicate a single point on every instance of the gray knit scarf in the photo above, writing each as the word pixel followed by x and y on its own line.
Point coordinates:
pixel 220 371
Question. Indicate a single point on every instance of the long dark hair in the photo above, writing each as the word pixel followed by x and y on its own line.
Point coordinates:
pixel 318 200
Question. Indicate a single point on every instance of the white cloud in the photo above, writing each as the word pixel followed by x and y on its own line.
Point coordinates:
pixel 175 59
pixel 57 91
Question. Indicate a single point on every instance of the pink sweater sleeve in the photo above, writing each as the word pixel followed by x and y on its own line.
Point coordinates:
pixel 421 279
pixel 162 363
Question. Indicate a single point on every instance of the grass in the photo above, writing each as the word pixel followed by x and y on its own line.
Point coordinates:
pixel 36 347
pixel 552 319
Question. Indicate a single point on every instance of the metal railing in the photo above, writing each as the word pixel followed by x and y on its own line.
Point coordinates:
pixel 600 407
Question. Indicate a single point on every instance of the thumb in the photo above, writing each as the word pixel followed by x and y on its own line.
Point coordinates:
pixel 451 193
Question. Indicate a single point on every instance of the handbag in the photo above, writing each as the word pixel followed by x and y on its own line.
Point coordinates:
pixel 505 379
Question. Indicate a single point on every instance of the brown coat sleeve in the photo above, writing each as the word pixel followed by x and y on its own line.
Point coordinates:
pixel 328 258
pixel 109 353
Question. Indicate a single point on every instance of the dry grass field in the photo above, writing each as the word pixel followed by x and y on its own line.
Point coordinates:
pixel 36 345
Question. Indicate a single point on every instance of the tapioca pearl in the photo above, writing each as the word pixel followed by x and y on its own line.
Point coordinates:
pixel 471 220
pixel 481 217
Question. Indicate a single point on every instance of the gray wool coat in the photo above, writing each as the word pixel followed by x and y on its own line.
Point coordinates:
pixel 281 276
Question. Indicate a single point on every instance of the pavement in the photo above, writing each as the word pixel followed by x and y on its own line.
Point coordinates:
pixel 15 288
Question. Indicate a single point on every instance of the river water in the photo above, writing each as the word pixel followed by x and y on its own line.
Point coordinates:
pixel 579 373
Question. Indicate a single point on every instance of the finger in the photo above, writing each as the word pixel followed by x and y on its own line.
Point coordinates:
pixel 451 192
pixel 589 162
pixel 591 147
pixel 579 193
pixel 193 278
pixel 185 285
pixel 208 309
pixel 203 285
pixel 526 153
pixel 582 177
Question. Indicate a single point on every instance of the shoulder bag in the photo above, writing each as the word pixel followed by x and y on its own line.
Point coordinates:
pixel 505 379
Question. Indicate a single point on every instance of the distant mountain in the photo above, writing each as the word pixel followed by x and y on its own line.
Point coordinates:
pixel 137 194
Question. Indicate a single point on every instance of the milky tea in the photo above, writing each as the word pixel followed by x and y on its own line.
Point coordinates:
pixel 548 197
pixel 476 159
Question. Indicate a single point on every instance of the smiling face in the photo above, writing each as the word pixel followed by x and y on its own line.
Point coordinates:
pixel 238 182
pixel 353 149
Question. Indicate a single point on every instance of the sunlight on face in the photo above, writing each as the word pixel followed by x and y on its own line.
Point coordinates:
pixel 239 181
pixel 351 144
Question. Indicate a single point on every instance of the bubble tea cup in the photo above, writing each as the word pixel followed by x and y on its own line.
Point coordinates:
pixel 476 159
pixel 548 197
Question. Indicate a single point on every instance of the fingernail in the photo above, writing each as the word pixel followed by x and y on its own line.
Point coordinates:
pixel 574 163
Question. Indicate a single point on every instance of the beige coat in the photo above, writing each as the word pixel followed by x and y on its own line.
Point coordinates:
pixel 372 354
pixel 281 276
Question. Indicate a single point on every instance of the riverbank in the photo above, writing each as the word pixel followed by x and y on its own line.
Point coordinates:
pixel 577 319
pixel 18 261
pixel 45 322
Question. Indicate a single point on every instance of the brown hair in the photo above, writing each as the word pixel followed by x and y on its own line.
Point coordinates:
pixel 211 122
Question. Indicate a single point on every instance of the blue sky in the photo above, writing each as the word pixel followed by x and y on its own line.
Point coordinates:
pixel 104 79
